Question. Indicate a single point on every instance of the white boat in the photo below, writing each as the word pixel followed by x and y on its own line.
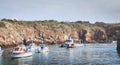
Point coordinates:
pixel 43 49
pixel 19 51
pixel 70 43
pixel 114 41
pixel 1 51
pixel 78 44
pixel 32 47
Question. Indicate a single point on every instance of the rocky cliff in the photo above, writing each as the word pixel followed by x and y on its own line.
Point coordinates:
pixel 12 32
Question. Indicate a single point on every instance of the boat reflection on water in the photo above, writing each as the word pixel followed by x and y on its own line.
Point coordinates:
pixel 1 60
pixel 71 55
pixel 25 60
pixel 17 61
pixel 43 49
pixel 41 58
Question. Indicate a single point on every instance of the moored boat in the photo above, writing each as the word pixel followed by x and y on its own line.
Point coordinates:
pixel 18 52
pixel 1 51
pixel 80 43
pixel 43 49
pixel 32 47
pixel 114 41
pixel 70 43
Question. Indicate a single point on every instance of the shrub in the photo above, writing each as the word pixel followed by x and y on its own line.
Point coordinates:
pixel 2 24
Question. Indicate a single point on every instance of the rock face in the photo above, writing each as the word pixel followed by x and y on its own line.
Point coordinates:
pixel 113 32
pixel 13 32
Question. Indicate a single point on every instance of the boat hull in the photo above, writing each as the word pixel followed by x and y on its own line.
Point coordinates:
pixel 1 52
pixel 43 50
pixel 62 45
pixel 70 45
pixel 21 55
pixel 78 44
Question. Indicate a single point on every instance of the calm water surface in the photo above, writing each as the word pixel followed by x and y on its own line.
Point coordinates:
pixel 89 54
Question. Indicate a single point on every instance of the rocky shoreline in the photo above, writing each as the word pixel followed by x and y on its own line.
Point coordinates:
pixel 14 31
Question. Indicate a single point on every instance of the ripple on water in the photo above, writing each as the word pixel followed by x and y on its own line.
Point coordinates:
pixel 88 54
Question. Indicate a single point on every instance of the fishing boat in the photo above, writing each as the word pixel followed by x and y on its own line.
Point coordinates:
pixel 20 51
pixel 70 43
pixel 43 49
pixel 1 51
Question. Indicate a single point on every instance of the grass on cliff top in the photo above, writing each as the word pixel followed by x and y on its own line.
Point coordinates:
pixel 14 21
pixel 54 23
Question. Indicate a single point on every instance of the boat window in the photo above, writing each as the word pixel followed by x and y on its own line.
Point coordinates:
pixel 68 40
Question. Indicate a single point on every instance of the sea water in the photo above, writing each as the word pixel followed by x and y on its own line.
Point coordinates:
pixel 88 54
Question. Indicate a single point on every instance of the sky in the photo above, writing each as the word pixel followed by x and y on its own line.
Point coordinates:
pixel 107 11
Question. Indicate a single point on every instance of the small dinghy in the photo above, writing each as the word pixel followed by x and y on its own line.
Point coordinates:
pixel 42 49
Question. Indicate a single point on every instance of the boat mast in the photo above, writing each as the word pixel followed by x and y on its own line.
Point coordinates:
pixel 24 37
pixel 42 37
